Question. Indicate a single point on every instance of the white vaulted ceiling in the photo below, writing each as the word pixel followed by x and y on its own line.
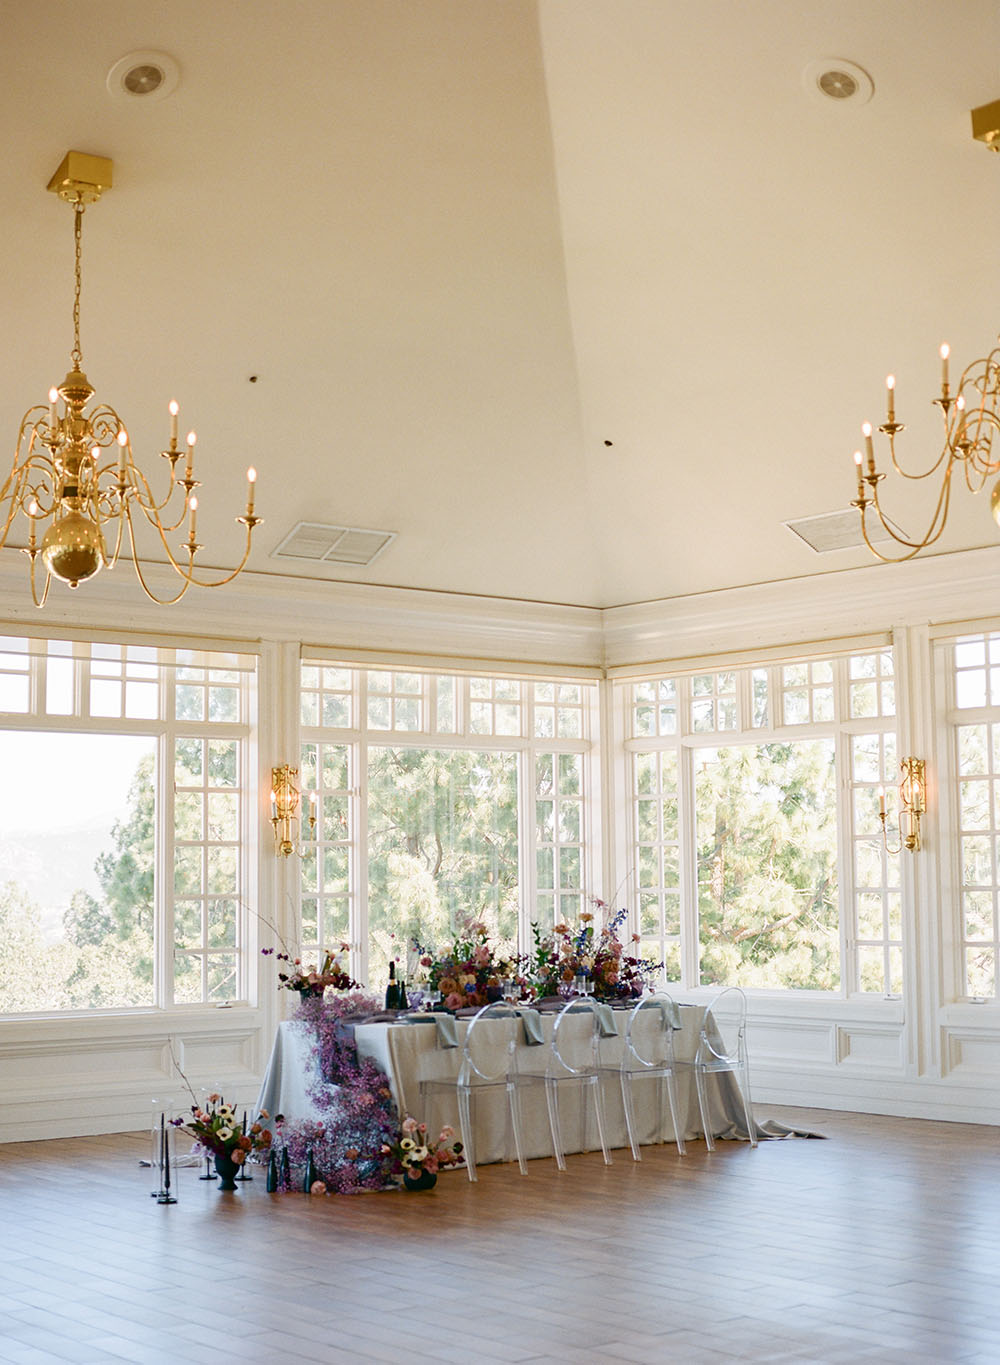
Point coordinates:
pixel 465 244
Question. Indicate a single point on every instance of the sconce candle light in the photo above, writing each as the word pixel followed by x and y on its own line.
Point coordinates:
pixel 285 806
pixel 912 805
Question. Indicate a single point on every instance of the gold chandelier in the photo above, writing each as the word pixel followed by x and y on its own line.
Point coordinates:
pixel 971 418
pixel 60 475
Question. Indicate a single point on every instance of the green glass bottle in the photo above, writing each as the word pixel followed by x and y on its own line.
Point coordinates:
pixel 392 990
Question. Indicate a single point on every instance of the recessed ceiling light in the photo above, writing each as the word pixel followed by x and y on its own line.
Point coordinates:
pixel 144 75
pixel 838 81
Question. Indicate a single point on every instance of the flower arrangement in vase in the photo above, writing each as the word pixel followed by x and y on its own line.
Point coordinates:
pixel 216 1129
pixel 310 981
pixel 598 957
pixel 470 973
pixel 418 1159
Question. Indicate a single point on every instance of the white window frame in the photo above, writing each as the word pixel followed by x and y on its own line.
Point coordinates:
pixel 460 737
pixel 686 742
pixel 164 730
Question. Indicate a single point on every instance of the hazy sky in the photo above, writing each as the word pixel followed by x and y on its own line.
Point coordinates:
pixel 61 781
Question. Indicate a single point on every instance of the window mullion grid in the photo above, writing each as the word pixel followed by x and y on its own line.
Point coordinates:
pixel 690 927
pixel 358 904
pixel 527 797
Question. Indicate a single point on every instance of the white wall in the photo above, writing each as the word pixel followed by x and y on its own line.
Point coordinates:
pixel 921 1056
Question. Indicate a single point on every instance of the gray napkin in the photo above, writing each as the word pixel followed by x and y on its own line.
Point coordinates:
pixel 669 1012
pixel 604 1015
pixel 447 1033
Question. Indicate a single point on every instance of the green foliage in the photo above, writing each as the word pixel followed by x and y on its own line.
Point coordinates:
pixel 767 866
pixel 442 847
pixel 126 871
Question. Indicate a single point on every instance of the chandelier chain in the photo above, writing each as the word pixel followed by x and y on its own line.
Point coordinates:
pixel 76 355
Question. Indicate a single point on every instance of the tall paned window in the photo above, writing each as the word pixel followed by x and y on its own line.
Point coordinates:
pixel 974 721
pixel 124 839
pixel 442 797
pixel 755 842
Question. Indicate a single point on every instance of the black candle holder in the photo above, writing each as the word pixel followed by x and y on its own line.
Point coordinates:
pixel 244 1173
pixel 163 1194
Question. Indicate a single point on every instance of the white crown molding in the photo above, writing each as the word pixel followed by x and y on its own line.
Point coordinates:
pixel 344 615
pixel 358 616
pixel 876 598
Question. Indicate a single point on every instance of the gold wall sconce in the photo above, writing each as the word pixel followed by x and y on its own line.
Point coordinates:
pixel 912 805
pixel 286 803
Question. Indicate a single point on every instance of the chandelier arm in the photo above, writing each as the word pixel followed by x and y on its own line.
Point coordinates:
pixel 978 454
pixel 914 546
pixel 119 518
pixel 39 601
pixel 220 582
pixel 132 492
pixel 147 504
pixel 946 454
pixel 188 572
pixel 160 601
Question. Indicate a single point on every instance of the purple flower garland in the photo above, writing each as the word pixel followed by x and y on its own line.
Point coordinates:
pixel 357 1112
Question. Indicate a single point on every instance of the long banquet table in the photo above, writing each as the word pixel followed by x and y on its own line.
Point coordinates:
pixel 411 1052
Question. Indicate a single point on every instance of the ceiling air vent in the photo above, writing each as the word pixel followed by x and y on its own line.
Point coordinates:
pixel 319 544
pixel 838 531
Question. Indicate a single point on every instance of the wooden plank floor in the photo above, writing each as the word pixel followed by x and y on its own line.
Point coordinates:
pixel 880 1244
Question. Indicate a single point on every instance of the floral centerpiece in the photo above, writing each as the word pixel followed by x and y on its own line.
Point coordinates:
pixel 309 981
pixel 217 1130
pixel 417 1158
pixel 599 957
pixel 470 972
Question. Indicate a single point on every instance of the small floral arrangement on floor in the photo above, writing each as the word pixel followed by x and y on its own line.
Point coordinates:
pixel 412 1153
pixel 565 954
pixel 217 1130
pixel 309 981
pixel 471 971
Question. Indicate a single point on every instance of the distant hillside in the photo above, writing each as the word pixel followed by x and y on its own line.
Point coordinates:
pixel 49 867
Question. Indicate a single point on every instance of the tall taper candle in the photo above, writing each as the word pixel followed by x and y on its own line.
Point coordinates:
pixel 166 1155
pixel 866 431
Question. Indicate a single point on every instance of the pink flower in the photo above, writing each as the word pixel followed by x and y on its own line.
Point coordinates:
pixel 317 1187
pixel 636 938
pixel 409 1125
pixel 482 955
pixel 426 961
pixel 454 1001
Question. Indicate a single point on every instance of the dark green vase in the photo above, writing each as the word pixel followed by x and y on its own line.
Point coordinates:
pixel 426 1180
pixel 227 1171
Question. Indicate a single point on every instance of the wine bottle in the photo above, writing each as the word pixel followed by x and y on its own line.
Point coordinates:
pixel 392 990
pixel 309 1179
pixel 272 1172
pixel 404 1004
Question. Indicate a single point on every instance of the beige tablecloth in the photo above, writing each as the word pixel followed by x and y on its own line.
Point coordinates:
pixel 408 1054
